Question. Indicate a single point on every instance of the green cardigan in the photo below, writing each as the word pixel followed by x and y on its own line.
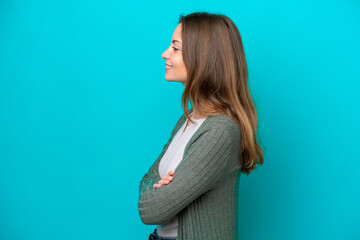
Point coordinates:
pixel 204 191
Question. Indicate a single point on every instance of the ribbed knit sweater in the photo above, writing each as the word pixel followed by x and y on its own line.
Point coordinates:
pixel 169 162
pixel 204 191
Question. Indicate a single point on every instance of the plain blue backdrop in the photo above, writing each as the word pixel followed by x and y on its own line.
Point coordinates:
pixel 85 110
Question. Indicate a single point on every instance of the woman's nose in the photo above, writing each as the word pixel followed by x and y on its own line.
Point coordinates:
pixel 165 54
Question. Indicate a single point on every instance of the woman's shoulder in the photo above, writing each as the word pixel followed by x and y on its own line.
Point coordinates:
pixel 224 122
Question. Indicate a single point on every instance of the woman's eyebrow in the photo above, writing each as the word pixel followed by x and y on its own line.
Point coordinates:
pixel 173 41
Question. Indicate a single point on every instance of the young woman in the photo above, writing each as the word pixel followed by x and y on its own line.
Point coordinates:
pixel 190 191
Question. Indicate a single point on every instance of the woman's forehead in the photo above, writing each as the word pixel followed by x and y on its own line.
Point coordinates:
pixel 177 34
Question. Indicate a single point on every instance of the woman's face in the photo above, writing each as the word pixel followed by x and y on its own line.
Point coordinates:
pixel 175 67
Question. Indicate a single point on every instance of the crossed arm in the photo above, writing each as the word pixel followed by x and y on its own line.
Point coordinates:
pixel 202 166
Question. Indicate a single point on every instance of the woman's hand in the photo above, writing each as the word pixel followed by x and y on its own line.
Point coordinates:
pixel 165 180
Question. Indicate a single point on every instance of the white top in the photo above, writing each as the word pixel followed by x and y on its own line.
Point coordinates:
pixel 170 160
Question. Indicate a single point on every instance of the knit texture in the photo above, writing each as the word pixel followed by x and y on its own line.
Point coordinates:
pixel 204 191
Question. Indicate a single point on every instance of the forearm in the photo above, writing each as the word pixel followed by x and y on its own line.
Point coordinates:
pixel 203 165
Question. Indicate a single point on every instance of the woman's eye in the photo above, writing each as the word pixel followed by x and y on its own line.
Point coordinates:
pixel 175 49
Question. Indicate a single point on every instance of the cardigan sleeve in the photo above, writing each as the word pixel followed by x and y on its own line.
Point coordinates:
pixel 150 176
pixel 201 167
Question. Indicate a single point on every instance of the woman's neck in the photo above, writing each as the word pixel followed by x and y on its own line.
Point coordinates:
pixel 196 115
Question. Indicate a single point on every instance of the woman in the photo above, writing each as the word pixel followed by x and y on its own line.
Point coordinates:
pixel 190 192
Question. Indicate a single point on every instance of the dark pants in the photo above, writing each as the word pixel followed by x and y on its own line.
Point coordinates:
pixel 155 236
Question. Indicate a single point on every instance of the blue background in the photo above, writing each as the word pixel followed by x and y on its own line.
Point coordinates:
pixel 85 110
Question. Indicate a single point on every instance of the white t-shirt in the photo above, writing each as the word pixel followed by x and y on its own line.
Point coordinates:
pixel 169 162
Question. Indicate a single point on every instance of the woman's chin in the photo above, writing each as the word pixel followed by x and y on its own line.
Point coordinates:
pixel 169 79
pixel 173 80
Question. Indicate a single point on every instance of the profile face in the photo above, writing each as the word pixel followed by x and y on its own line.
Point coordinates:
pixel 175 67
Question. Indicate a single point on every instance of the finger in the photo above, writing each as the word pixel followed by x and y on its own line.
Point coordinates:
pixel 163 182
pixel 167 177
pixel 171 172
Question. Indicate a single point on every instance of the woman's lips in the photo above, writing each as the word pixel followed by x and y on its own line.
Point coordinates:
pixel 167 68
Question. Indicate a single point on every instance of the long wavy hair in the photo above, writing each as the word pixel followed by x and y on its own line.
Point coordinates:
pixel 217 78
